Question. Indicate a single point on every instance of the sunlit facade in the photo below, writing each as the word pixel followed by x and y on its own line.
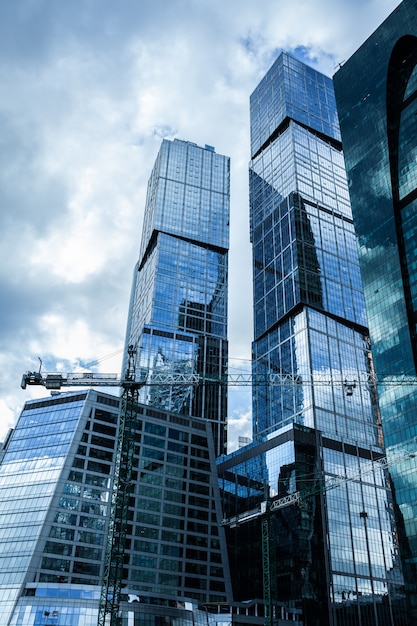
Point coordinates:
pixel 55 489
pixel 44 504
pixel 178 312
pixel 377 104
pixel 336 555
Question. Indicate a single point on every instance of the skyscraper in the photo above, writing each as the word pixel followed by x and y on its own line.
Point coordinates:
pixel 336 554
pixel 178 312
pixel 376 93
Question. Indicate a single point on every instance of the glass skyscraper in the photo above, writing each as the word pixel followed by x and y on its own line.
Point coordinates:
pixel 335 554
pixel 178 312
pixel 55 492
pixel 376 93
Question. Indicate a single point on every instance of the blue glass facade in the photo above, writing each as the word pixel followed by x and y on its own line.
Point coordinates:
pixel 48 502
pixel 376 96
pixel 308 299
pixel 55 490
pixel 178 313
pixel 336 556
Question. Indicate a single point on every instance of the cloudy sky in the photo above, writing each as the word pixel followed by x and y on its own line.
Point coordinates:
pixel 88 90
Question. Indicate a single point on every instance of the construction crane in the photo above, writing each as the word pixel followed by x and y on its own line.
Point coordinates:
pixel 55 381
pixel 131 383
pixel 268 506
pixel 297 497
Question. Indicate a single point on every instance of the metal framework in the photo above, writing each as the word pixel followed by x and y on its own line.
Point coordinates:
pixel 111 586
pixel 56 380
pixel 268 569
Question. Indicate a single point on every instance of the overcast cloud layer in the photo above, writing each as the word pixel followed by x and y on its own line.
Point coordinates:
pixel 88 90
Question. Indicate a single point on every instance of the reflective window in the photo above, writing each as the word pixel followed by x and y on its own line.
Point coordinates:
pixel 180 290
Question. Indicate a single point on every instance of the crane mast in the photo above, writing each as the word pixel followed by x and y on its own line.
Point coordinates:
pixel 111 586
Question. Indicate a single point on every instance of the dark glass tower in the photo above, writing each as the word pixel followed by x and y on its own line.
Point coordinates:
pixel 178 313
pixel 377 101
pixel 335 555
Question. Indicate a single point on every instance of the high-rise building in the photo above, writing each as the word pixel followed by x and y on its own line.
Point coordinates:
pixel 55 493
pixel 178 312
pixel 316 429
pixel 376 93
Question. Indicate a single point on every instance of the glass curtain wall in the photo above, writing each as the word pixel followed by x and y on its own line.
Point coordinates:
pixel 55 491
pixel 54 510
pixel 178 313
pixel 377 108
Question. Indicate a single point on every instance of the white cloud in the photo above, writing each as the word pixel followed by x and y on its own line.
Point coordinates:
pixel 239 422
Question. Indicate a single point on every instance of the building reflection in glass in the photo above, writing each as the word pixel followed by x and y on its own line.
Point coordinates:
pixel 378 121
pixel 178 311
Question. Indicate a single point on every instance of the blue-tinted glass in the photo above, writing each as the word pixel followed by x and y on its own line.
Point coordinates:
pixel 377 108
pixel 178 313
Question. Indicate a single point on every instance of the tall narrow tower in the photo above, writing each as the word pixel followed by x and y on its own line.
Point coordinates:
pixel 309 307
pixel 178 312
pixel 335 556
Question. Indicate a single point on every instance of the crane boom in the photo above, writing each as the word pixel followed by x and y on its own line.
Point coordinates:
pixel 299 496
pixel 56 380
pixel 90 379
